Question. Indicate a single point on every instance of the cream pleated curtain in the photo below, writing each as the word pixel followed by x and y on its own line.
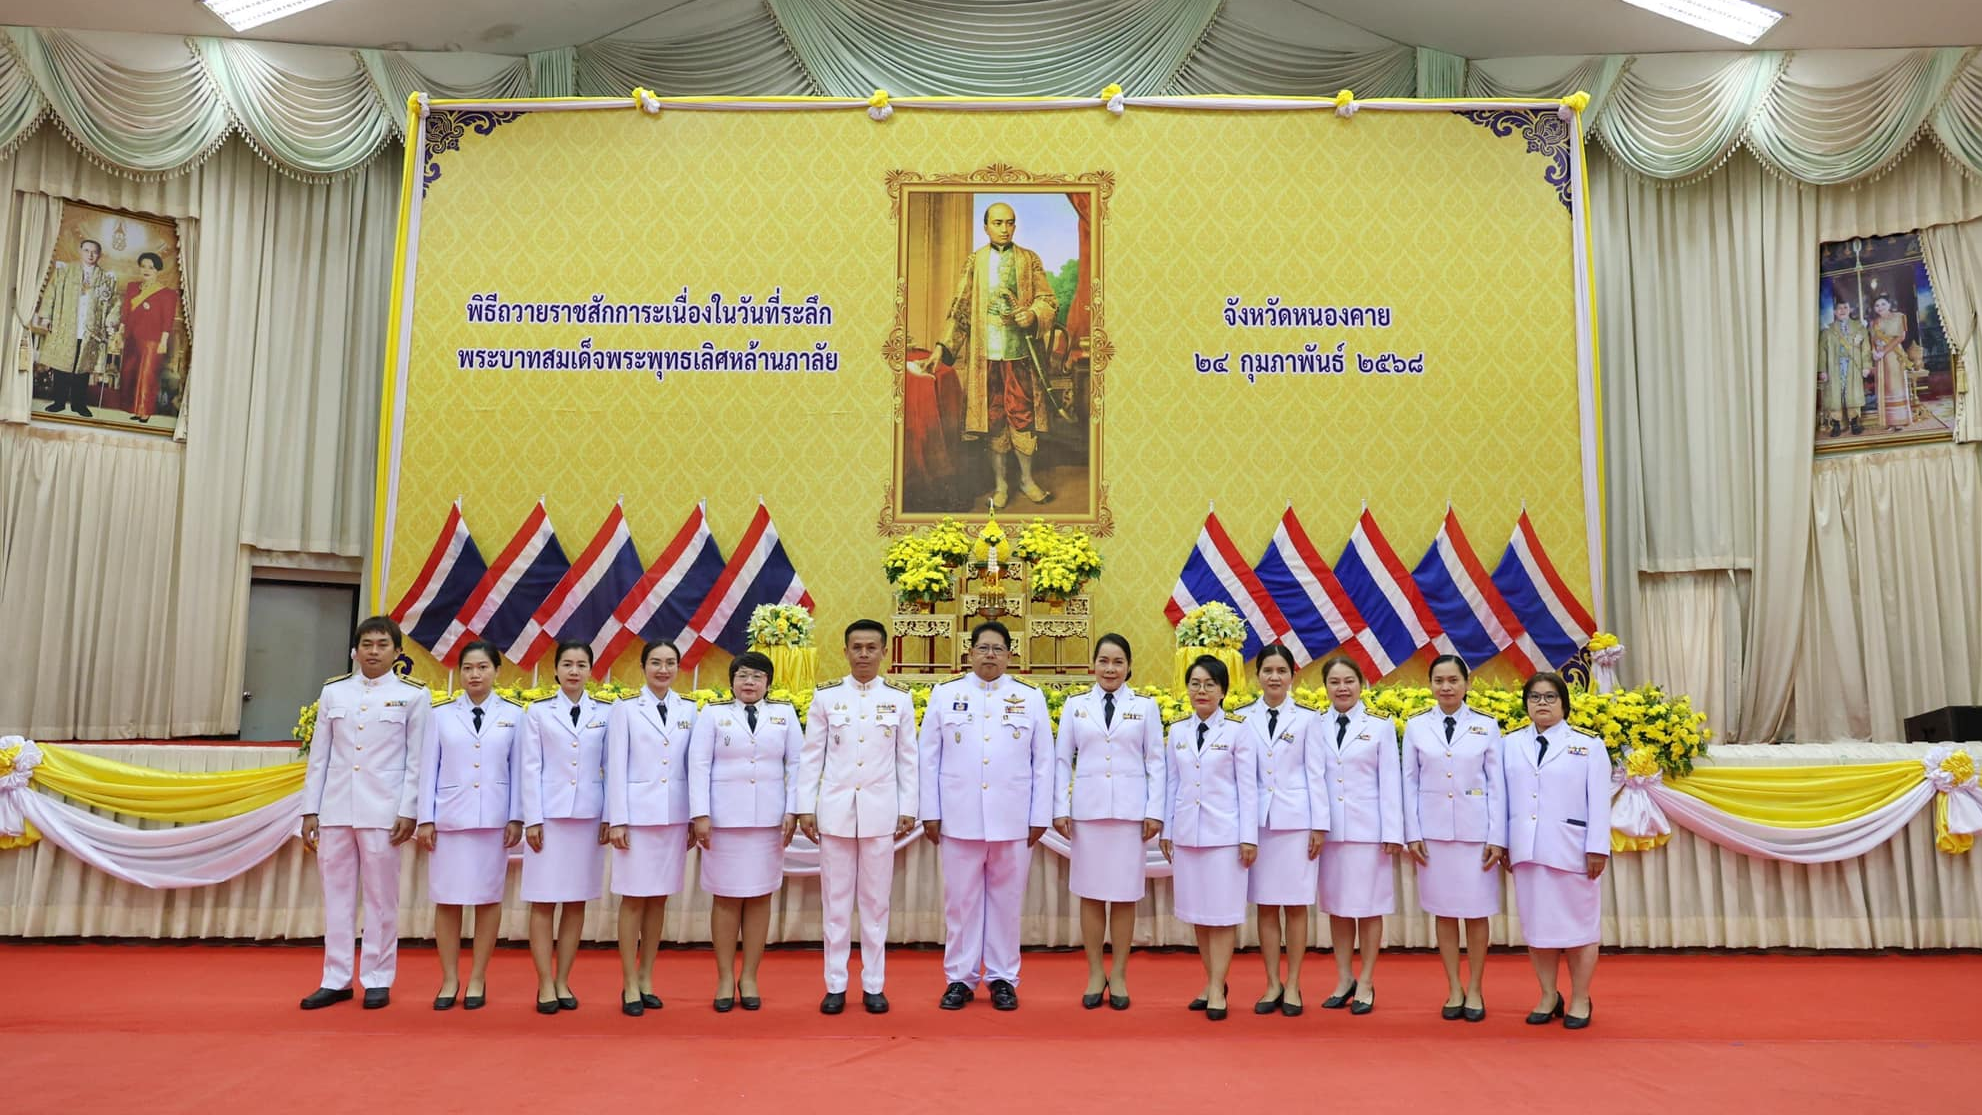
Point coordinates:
pixel 124 561
pixel 1793 602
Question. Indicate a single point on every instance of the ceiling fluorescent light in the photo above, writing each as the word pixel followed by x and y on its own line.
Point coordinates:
pixel 243 14
pixel 1730 19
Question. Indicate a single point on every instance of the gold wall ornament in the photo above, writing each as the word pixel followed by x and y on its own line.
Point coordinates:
pixel 117 238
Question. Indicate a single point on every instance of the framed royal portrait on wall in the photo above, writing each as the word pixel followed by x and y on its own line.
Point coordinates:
pixel 999 347
pixel 108 343
pixel 1885 371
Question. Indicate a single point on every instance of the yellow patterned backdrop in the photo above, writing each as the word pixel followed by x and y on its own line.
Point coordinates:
pixel 1429 213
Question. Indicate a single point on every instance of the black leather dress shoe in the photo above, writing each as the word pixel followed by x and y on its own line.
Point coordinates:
pixel 1571 1022
pixel 833 1003
pixel 1476 1014
pixel 1340 999
pixel 1200 1004
pixel 724 1006
pixel 749 1002
pixel 956 995
pixel 1004 996
pixel 376 997
pixel 633 1009
pixel 1544 1017
pixel 1268 1006
pixel 567 1002
pixel 1214 1014
pixel 874 1001
pixel 1117 1002
pixel 1452 1013
pixel 1092 1001
pixel 1363 1006
pixel 474 1002
pixel 325 996
pixel 650 1000
pixel 444 1002
pixel 1292 1010
pixel 547 1006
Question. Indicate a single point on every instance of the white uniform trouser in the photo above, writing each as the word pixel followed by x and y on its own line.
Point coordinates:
pixel 345 856
pixel 983 894
pixel 866 866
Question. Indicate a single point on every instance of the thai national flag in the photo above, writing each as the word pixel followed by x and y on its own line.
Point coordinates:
pixel 508 594
pixel 1319 613
pixel 1384 593
pixel 1215 571
pixel 451 572
pixel 584 599
pixel 758 573
pixel 1472 611
pixel 658 607
pixel 1559 624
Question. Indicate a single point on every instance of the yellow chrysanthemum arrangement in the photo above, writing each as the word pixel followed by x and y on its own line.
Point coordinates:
pixel 1212 625
pixel 1602 640
pixel 779 625
pixel 1063 559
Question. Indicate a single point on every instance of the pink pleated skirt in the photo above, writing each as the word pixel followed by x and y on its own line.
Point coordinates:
pixel 1210 885
pixel 1107 861
pixel 1356 880
pixel 743 862
pixel 1452 884
pixel 1559 909
pixel 652 864
pixel 572 866
pixel 468 867
pixel 1283 875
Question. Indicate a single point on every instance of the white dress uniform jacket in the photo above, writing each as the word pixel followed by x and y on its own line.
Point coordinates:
pixel 1558 807
pixel 564 764
pixel 1454 790
pixel 743 779
pixel 469 779
pixel 1214 791
pixel 1293 767
pixel 1365 778
pixel 364 764
pixel 987 759
pixel 647 759
pixel 857 770
pixel 1109 771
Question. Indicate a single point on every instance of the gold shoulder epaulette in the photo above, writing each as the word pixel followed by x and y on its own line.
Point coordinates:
pixel 829 685
pixel 518 704
pixel 1235 718
pixel 1022 681
pixel 893 684
pixel 604 698
pixel 1426 712
pixel 441 698
pixel 1584 731
pixel 339 677
pixel 770 701
pixel 413 681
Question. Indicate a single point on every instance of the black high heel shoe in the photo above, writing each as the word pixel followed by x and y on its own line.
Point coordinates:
pixel 1452 1013
pixel 1340 999
pixel 1571 1022
pixel 1544 1017
pixel 1270 1006
pixel 1092 1000
pixel 1358 1006
pixel 1476 1014
pixel 547 1006
pixel 1202 1004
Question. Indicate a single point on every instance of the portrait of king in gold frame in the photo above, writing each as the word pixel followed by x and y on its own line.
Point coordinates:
pixel 999 348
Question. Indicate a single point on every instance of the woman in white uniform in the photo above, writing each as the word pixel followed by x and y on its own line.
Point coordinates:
pixel 1366 831
pixel 647 811
pixel 563 778
pixel 1211 824
pixel 1108 787
pixel 742 776
pixel 469 818
pixel 1455 825
pixel 1293 819
pixel 1558 841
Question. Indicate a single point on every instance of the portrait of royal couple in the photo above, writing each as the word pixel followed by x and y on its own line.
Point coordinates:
pixel 1865 369
pixel 104 339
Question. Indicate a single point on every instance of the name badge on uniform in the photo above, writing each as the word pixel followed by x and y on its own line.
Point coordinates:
pixel 1475 793
pixel 960 706
pixel 505 723
pixel 884 710
pixel 1218 747
pixel 1364 736
pixel 596 724
pixel 1575 750
pixel 1476 730
pixel 683 726
pixel 395 704
pixel 777 721
pixel 1286 737
pixel 1132 716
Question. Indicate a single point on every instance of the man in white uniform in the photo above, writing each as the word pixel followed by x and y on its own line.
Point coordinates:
pixel 987 797
pixel 856 796
pixel 360 798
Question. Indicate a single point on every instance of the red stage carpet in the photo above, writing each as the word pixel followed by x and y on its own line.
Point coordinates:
pixel 216 1029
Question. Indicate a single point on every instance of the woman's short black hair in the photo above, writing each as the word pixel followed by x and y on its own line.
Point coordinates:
pixel 1215 670
pixel 753 660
